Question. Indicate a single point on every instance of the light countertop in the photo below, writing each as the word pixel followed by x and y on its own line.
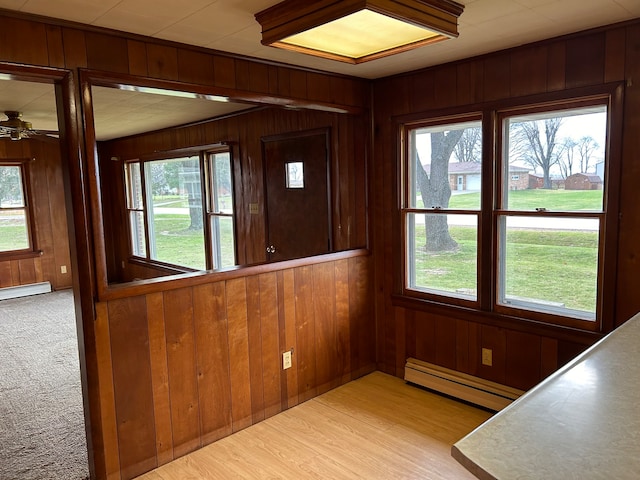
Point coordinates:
pixel 583 422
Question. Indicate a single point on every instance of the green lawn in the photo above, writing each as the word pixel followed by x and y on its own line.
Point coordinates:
pixel 179 245
pixel 558 200
pixel 550 265
pixel 12 236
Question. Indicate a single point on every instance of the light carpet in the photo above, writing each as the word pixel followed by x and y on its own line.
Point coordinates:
pixel 42 433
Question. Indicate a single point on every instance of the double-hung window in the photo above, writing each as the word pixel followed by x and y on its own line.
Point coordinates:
pixel 15 216
pixel 549 250
pixel 442 207
pixel 515 227
pixel 180 210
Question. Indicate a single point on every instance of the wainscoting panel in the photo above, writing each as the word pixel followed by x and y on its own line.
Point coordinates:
pixel 189 366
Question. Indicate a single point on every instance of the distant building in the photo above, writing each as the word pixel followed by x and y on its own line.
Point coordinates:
pixel 536 181
pixel 466 176
pixel 583 181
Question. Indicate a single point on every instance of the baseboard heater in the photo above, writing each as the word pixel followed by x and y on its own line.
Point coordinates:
pixel 24 290
pixel 472 389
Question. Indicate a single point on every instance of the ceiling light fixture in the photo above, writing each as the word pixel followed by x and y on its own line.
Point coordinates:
pixel 356 31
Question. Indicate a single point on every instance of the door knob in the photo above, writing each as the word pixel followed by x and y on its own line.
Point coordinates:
pixel 271 249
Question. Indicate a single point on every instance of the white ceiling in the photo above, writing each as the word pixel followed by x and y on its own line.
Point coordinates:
pixel 229 25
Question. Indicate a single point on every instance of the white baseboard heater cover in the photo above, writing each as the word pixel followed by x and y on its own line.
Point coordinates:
pixel 472 389
pixel 24 290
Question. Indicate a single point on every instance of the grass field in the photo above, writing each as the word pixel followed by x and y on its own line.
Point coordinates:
pixel 558 200
pixel 179 245
pixel 558 266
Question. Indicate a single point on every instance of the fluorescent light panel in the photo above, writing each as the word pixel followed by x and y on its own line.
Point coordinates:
pixel 360 34
pixel 356 31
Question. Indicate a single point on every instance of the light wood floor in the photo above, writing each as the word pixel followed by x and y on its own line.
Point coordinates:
pixel 376 427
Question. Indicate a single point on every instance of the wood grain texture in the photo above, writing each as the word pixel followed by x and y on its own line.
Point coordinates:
pixel 159 377
pixel 108 420
pixel 133 393
pixel 374 427
pixel 212 346
pixel 51 236
pixel 181 361
pixel 523 354
pixel 236 291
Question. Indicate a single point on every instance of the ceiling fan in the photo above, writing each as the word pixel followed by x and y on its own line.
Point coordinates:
pixel 16 129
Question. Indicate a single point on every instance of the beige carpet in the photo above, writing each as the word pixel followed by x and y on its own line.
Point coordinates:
pixel 41 419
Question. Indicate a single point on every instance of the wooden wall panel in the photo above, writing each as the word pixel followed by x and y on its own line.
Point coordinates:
pixel 55 46
pixel 212 347
pixel 159 377
pixel 162 62
pixel 324 315
pixel 305 333
pixel 256 366
pixel 239 352
pixel 50 217
pixel 270 343
pixel 522 355
pixel 629 248
pixel 344 334
pixel 137 55
pixel 585 60
pixel 106 52
pixel 133 393
pixel 22 41
pixel 181 361
pixel 208 349
pixel 109 425
pixel 287 309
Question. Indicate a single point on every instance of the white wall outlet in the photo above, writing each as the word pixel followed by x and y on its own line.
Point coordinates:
pixel 286 360
pixel 63 269
pixel 487 357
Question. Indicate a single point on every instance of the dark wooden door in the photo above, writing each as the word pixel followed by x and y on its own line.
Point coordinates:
pixel 297 195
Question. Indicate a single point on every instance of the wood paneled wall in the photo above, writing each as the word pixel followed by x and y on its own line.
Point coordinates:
pixel 109 397
pixel 26 40
pixel 349 138
pixel 50 217
pixel 521 356
pixel 182 368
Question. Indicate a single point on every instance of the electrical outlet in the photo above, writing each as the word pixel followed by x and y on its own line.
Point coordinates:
pixel 286 360
pixel 487 357
pixel 63 269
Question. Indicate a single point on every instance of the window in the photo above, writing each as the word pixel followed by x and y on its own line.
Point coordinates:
pixel 540 215
pixel 220 210
pixel 441 217
pixel 171 221
pixel 549 238
pixel 15 223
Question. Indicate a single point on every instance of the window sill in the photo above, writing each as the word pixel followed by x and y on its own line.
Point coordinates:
pixel 19 255
pixel 500 320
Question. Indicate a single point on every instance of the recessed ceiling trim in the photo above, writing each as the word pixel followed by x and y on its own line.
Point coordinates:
pixel 284 24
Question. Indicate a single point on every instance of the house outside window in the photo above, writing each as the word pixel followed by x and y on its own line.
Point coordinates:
pixel 543 252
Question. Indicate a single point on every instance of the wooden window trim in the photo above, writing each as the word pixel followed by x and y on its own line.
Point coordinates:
pixel 203 152
pixel 25 173
pixel 486 312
